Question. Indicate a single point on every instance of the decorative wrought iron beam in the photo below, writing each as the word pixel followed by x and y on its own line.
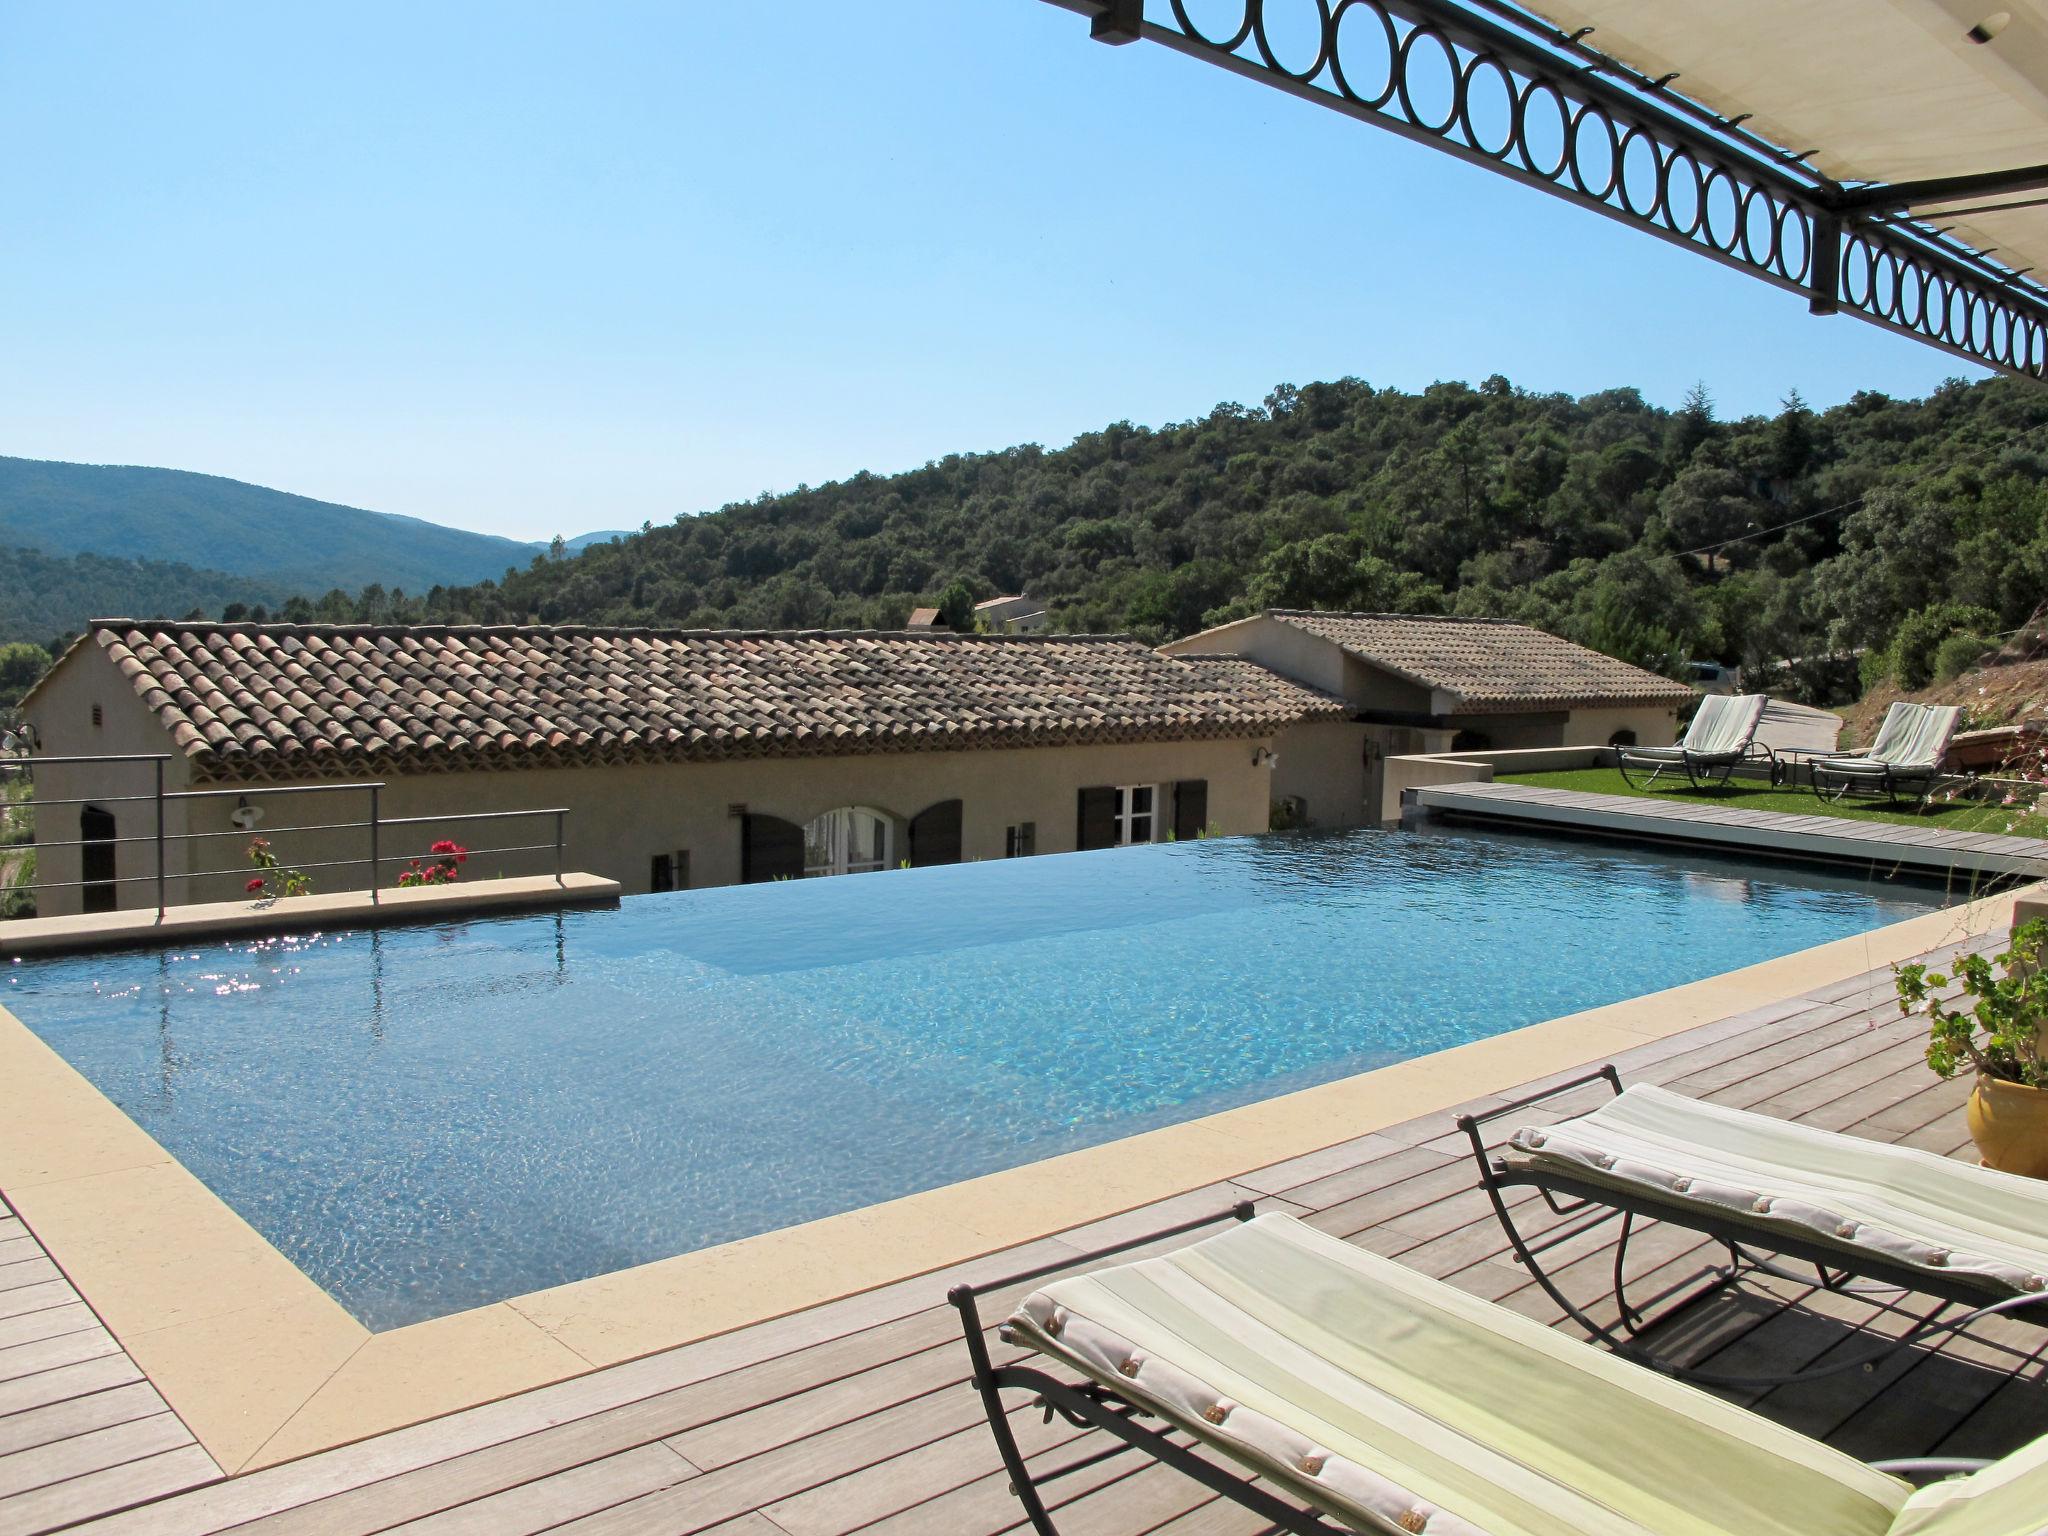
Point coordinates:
pixel 1485 82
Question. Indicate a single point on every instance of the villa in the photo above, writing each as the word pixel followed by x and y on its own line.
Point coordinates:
pixel 680 759
pixel 1420 684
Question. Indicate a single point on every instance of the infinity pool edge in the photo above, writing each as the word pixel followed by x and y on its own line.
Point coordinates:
pixel 263 1366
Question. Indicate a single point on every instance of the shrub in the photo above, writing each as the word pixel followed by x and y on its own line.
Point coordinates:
pixel 1957 654
pixel 1913 648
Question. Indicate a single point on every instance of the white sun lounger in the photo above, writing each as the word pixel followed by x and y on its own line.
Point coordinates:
pixel 1722 735
pixel 1848 1206
pixel 1910 748
pixel 1369 1398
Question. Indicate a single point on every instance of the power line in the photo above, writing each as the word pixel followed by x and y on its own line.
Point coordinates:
pixel 1857 501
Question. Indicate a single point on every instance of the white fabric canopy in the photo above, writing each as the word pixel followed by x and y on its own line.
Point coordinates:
pixel 1883 90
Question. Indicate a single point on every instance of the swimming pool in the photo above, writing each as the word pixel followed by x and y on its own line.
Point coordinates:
pixel 429 1119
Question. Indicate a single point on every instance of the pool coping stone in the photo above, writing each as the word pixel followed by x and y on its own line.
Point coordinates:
pixel 142 928
pixel 264 1366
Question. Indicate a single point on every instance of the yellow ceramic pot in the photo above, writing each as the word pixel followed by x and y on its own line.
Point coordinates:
pixel 2009 1123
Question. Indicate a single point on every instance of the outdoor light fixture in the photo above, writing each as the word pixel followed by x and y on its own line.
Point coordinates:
pixel 246 816
pixel 1265 757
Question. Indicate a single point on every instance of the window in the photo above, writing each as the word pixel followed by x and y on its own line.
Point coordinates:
pixel 849 841
pixel 1020 841
pixel 1134 818
pixel 670 871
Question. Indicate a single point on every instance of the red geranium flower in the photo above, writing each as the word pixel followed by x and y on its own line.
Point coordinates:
pixel 254 885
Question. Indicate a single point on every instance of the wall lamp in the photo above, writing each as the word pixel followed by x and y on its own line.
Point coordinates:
pixel 1265 757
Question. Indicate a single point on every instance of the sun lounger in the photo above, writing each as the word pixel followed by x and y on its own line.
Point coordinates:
pixel 1720 739
pixel 1365 1397
pixel 1850 1207
pixel 1910 748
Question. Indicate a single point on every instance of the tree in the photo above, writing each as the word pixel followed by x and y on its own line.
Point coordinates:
pixel 1691 426
pixel 21 664
pixel 956 607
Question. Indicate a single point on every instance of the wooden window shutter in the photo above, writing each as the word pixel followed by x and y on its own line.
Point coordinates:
pixel 1190 809
pixel 770 848
pixel 935 835
pixel 1097 820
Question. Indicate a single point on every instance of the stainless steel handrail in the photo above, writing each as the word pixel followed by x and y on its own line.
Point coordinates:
pixel 161 837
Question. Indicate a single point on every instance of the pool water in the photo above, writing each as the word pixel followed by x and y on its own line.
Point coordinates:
pixel 428 1119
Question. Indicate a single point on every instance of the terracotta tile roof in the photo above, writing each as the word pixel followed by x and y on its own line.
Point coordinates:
pixel 1491 665
pixel 262 701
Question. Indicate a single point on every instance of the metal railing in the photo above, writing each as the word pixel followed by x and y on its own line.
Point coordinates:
pixel 160 837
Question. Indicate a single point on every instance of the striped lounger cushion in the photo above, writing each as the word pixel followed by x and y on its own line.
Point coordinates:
pixel 1395 1403
pixel 1929 1213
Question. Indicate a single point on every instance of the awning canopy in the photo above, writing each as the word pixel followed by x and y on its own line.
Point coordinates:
pixel 1888 158
pixel 1884 92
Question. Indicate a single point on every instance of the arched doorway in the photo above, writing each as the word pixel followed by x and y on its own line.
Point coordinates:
pixel 96 833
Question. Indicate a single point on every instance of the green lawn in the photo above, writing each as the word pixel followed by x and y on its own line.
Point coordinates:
pixel 1749 795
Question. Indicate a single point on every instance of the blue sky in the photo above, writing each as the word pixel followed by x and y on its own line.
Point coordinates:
pixel 531 268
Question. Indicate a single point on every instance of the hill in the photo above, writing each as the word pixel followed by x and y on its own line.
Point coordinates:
pixel 45 597
pixel 285 543
pixel 1652 534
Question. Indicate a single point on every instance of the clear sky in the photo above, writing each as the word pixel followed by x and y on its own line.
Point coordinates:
pixel 531 268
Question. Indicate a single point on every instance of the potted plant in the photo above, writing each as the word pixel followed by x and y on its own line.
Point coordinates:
pixel 1999 1034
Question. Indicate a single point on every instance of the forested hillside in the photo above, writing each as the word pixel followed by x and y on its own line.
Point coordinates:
pixel 1652 534
pixel 48 596
pixel 281 541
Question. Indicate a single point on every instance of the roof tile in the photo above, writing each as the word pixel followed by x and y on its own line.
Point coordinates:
pixel 1489 664
pixel 235 698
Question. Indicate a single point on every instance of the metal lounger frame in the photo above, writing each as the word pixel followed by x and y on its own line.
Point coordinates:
pixel 1834 1266
pixel 1892 779
pixel 1090 1405
pixel 1702 770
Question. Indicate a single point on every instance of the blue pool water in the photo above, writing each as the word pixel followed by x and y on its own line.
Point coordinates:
pixel 428 1119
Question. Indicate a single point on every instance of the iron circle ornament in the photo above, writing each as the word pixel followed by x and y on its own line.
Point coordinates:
pixel 1682 172
pixel 1452 75
pixel 1387 36
pixel 1231 44
pixel 1467 95
pixel 1574 162
pixel 1525 149
pixel 1637 137
pixel 1262 38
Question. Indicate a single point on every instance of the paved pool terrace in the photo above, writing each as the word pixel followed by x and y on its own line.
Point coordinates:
pixel 165 1357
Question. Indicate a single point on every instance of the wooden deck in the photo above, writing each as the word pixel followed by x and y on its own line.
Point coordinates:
pixel 80 1429
pixel 1885 845
pixel 855 1417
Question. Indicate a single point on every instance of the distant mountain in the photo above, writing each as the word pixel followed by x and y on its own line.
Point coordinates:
pixel 283 543
pixel 43 597
pixel 583 541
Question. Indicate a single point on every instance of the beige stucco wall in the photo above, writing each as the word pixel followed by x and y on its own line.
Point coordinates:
pixel 619 817
pixel 1654 726
pixel 61 711
pixel 1324 763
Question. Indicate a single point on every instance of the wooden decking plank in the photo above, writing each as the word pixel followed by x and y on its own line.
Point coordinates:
pixel 55 1292
pixel 47 1323
pixel 31 1359
pixel 568 1495
pixel 93 1451
pixel 30 1272
pixel 115 1370
pixel 81 1498
pixel 77 1416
